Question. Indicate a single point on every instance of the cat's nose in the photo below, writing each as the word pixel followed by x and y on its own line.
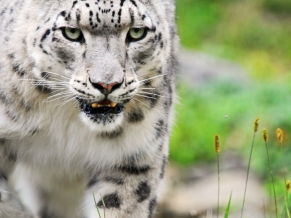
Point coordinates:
pixel 105 88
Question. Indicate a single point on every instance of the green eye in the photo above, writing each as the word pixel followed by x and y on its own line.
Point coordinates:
pixel 72 34
pixel 136 34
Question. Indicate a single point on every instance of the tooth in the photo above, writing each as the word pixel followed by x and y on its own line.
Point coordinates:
pixel 94 105
pixel 113 104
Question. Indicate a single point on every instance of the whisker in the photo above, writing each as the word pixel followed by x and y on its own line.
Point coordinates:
pixel 146 96
pixel 65 102
pixel 58 74
pixel 140 102
pixel 152 78
pixel 149 93
pixel 59 97
pixel 60 94
pixel 147 88
pixel 58 90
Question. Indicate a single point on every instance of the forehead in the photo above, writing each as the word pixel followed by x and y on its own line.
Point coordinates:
pixel 103 13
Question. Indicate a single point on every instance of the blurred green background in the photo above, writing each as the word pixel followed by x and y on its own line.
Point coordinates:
pixel 257 35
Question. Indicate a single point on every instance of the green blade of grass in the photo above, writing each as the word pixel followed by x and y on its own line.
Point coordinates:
pixel 103 204
pixel 287 202
pixel 96 205
pixel 228 207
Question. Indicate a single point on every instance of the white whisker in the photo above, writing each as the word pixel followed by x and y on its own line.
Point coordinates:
pixel 60 98
pixel 140 102
pixel 151 78
pixel 58 75
pixel 149 93
pixel 61 94
pixel 147 88
pixel 146 96
pixel 65 102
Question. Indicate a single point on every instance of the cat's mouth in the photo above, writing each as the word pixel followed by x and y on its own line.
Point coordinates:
pixel 102 107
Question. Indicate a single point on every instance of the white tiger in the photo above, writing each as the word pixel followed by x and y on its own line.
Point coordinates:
pixel 86 95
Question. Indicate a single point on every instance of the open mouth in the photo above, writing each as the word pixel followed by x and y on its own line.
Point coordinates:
pixel 102 107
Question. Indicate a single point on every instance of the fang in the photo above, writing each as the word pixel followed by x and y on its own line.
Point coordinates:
pixel 94 105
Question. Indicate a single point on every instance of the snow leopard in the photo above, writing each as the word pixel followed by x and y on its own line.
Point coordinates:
pixel 86 106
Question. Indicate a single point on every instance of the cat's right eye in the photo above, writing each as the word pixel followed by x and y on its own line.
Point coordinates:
pixel 73 34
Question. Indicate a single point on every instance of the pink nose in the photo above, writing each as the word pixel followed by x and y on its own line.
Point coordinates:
pixel 105 88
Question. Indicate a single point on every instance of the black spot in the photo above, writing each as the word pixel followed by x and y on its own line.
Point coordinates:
pixel 135 170
pixel 131 15
pixel 66 56
pixel 97 17
pixel 160 36
pixel 92 181
pixel 11 115
pixel 159 128
pixel 163 167
pixel 133 2
pixel 45 75
pixel 18 70
pixel 46 213
pixel 3 98
pixel 3 176
pixel 68 17
pixel 153 98
pixel 4 10
pixel 147 83
pixel 136 115
pixel 152 207
pixel 2 141
pixel 74 3
pixel 43 88
pixel 78 16
pixel 113 134
pixel 122 2
pixel 143 191
pixel 110 201
pixel 91 13
pixel 63 13
pixel 117 181
pixel 88 5
pixel 11 56
pixel 34 131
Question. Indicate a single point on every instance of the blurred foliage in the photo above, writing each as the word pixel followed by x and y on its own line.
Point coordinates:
pixel 256 34
pixel 229 109
pixel 279 7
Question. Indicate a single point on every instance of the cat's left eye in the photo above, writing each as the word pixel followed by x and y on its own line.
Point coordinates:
pixel 73 34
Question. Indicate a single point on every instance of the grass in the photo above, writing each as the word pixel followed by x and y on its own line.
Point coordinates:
pixel 255 34
pixel 228 207
pixel 285 203
pixel 97 208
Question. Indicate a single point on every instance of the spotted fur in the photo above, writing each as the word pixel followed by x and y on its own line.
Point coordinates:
pixel 56 148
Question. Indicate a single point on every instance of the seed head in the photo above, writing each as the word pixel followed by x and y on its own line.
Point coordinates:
pixel 288 185
pixel 217 143
pixel 265 135
pixel 280 135
pixel 256 124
